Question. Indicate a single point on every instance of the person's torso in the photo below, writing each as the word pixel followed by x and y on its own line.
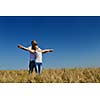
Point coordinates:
pixel 38 57
pixel 32 55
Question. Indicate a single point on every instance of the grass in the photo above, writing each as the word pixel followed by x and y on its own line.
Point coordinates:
pixel 65 75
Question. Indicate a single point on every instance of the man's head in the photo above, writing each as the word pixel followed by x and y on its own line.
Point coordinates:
pixel 33 42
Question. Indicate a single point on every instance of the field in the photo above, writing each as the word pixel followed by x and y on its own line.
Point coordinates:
pixel 65 75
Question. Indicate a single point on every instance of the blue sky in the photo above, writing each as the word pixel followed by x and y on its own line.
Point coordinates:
pixel 76 40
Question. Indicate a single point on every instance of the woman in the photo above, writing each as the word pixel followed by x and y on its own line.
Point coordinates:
pixel 38 59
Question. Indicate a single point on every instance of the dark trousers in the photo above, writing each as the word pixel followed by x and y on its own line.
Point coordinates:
pixel 32 65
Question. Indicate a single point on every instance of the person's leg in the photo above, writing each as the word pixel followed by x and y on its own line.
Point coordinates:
pixel 30 67
pixel 39 68
pixel 35 66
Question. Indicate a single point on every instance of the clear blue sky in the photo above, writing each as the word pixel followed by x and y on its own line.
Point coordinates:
pixel 76 41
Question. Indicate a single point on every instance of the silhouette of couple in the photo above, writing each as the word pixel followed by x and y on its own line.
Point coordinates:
pixel 35 56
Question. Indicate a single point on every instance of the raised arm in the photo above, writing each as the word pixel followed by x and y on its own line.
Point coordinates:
pixel 26 49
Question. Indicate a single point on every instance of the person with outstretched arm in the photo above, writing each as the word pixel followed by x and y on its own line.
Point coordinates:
pixel 38 59
pixel 31 50
pixel 35 56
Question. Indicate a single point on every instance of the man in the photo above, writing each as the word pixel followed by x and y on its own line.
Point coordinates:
pixel 35 56
pixel 31 49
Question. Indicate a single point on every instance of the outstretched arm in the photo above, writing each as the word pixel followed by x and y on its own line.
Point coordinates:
pixel 26 49
pixel 46 50
pixel 22 47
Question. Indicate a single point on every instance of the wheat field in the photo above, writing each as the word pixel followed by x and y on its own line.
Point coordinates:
pixel 65 75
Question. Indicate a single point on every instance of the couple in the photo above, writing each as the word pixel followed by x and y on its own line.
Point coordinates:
pixel 35 56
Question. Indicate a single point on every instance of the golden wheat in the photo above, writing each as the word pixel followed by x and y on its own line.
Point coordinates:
pixel 65 75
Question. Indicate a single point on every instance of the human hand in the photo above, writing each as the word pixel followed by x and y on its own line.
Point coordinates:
pixel 51 50
pixel 20 46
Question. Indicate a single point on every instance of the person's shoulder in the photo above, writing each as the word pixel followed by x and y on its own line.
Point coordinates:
pixel 29 47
